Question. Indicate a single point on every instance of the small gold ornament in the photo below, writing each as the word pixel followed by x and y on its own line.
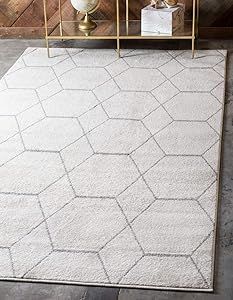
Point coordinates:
pixel 171 3
pixel 163 3
pixel 87 7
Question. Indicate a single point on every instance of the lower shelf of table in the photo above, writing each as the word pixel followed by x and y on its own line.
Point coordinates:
pixel 107 29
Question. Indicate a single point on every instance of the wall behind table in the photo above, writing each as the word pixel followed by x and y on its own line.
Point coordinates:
pixel 24 18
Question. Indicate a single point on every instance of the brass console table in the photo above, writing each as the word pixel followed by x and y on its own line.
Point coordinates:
pixel 118 29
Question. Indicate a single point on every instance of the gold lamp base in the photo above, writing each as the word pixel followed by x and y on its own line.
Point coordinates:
pixel 86 25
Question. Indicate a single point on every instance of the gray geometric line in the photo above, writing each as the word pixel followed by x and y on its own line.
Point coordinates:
pixel 219 51
pixel 12 263
pixel 20 88
pixel 223 81
pixel 59 209
pixel 45 66
pixel 194 68
pixel 4 115
pixel 220 110
pixel 40 261
pixel 223 76
pixel 9 160
pixel 26 51
pixel 130 269
pixel 220 101
pixel 85 134
pixel 144 210
pixel 143 178
pixel 38 121
pixel 148 68
pixel 207 214
pixel 129 186
pixel 209 165
pixel 107 97
pixel 41 222
pixel 42 100
pixel 204 240
pixel 105 270
pixel 30 231
pixel 42 107
pixel 174 56
pixel 213 129
pixel 165 63
pixel 169 79
pixel 176 199
pixel 118 73
pixel 9 137
pixel 123 58
pixel 152 166
pixel 70 170
pixel 199 271
pixel 128 51
pixel 153 136
pixel 166 255
pixel 149 138
pixel 67 173
pixel 4 79
pixel 150 91
pixel 223 59
pixel 94 197
pixel 113 79
pixel 112 238
pixel 42 151
pixel 65 71
pixel 88 67
pixel 111 153
pixel 71 57
pixel 45 222
pixel 127 221
pixel 17 194
pixel 75 141
pixel 211 147
pixel 63 117
pixel 74 251
pixel 51 183
pixel 100 104
pixel 12 72
pixel 215 181
pixel 27 108
pixel 127 119
pixel 159 129
pixel 4 247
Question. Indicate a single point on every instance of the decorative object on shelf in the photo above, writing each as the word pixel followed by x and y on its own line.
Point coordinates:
pixel 164 3
pixel 163 20
pixel 86 7
pixel 171 3
pixel 118 29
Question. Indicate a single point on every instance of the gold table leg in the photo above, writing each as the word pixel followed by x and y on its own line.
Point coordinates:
pixel 60 18
pixel 194 28
pixel 46 26
pixel 118 27
pixel 127 16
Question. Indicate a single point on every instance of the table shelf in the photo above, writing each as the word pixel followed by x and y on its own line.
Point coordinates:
pixel 118 29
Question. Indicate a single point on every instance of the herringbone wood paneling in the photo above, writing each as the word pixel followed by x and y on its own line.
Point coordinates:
pixel 25 17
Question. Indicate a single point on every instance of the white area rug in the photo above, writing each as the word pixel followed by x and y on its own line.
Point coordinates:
pixel 109 167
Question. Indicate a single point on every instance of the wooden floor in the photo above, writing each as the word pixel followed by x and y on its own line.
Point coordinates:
pixel 24 18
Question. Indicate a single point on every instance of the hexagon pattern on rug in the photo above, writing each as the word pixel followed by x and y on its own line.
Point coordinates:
pixel 109 166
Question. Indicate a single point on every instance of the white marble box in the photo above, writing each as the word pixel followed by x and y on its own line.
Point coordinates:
pixel 162 21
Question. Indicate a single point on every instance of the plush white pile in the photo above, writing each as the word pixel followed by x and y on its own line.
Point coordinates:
pixel 109 167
